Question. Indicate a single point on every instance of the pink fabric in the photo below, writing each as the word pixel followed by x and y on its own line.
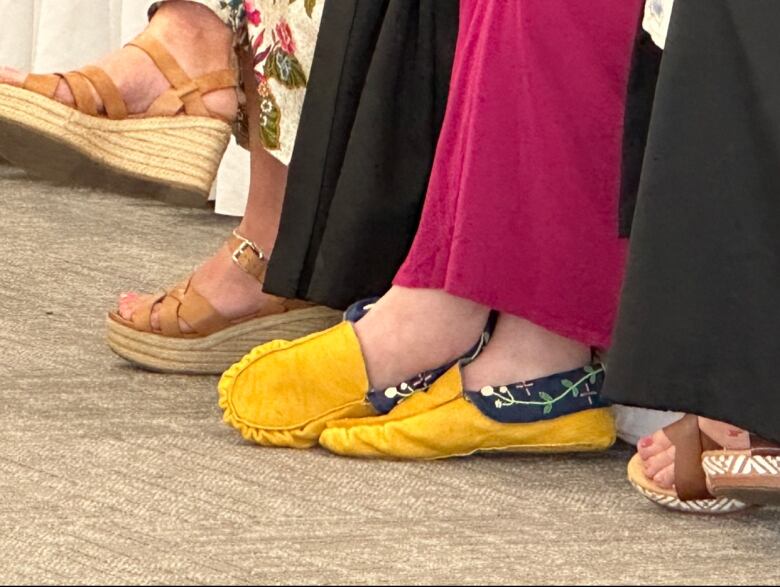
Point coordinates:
pixel 521 212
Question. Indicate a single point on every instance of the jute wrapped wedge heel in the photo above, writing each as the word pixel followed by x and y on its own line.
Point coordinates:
pixel 172 151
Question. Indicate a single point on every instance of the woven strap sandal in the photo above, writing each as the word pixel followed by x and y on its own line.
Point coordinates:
pixel 214 342
pixel 710 479
pixel 171 151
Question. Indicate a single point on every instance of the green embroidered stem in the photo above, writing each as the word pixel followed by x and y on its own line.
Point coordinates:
pixel 509 399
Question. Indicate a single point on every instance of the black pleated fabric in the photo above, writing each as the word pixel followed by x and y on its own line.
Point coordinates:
pixel 700 316
pixel 645 66
pixel 365 148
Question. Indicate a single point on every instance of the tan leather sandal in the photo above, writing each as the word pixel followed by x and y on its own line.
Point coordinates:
pixel 710 479
pixel 173 150
pixel 215 342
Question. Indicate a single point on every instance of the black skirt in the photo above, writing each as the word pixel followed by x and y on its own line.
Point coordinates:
pixel 368 133
pixel 700 315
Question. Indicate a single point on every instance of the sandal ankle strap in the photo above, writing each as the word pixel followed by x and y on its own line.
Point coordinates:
pixel 248 256
pixel 185 94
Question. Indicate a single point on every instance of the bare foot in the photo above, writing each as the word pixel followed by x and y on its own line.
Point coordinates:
pixel 198 40
pixel 413 330
pixel 657 452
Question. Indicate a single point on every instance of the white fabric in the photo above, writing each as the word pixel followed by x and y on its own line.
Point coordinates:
pixel 59 35
pixel 635 423
pixel 658 14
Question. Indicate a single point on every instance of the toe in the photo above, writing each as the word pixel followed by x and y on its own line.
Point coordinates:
pixel 652 445
pixel 129 304
pixel 11 76
pixel 127 299
pixel 660 461
pixel 126 310
pixel 665 477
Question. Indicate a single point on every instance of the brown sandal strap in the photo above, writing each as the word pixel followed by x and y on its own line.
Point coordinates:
pixel 172 101
pixel 200 315
pixel 762 447
pixel 82 93
pixel 113 103
pixel 45 85
pixel 690 443
pixel 185 94
pixel 82 84
pixel 180 303
pixel 252 260
pixel 169 316
pixel 186 89
pixel 142 317
pixel 248 256
pixel 165 62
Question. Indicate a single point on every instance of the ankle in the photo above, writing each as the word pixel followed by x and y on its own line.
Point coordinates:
pixel 415 330
pixel 194 32
pixel 263 236
pixel 522 351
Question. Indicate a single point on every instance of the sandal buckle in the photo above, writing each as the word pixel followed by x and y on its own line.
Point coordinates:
pixel 242 248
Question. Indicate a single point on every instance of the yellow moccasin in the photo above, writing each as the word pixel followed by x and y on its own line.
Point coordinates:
pixel 285 392
pixel 442 423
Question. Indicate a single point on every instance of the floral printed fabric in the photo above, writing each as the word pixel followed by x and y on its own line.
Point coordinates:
pixel 281 35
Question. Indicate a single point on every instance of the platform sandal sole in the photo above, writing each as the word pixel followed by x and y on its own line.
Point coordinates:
pixel 174 159
pixel 753 479
pixel 214 354
pixel 669 500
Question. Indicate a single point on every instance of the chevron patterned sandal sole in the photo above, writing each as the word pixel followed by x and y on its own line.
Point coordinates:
pixel 751 478
pixel 667 498
pixel 174 159
pixel 214 354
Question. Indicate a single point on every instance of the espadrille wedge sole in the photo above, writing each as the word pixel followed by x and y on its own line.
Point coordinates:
pixel 171 151
pixel 172 158
pixel 215 353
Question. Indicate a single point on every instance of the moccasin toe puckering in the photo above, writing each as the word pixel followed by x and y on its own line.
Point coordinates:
pixel 285 392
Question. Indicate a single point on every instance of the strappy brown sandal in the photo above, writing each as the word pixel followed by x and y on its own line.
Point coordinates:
pixel 215 342
pixel 171 151
pixel 710 479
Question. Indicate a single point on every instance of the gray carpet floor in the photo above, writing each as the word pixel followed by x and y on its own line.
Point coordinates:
pixel 112 475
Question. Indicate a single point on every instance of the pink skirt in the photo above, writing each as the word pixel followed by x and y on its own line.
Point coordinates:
pixel 521 212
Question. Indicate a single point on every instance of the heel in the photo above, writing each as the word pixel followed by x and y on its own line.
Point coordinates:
pixel 180 154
